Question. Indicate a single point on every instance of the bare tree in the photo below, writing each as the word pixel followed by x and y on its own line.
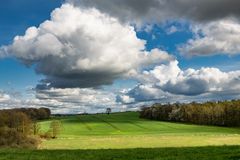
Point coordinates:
pixel 55 127
pixel 36 128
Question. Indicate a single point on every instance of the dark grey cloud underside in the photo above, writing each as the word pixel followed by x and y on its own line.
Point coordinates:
pixel 75 81
pixel 59 77
pixel 158 10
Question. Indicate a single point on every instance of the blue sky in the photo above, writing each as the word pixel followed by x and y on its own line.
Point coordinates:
pixel 168 34
pixel 16 17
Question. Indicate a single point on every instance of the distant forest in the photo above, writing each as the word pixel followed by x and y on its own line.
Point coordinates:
pixel 19 127
pixel 224 113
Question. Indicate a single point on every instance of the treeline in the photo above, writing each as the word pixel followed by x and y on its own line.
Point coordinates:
pixel 19 127
pixel 224 113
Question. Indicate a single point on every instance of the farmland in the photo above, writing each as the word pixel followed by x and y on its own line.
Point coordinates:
pixel 126 130
pixel 124 136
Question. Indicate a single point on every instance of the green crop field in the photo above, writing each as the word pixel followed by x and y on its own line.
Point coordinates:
pixel 124 136
pixel 127 130
pixel 190 153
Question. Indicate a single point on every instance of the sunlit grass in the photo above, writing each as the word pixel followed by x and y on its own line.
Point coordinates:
pixel 126 130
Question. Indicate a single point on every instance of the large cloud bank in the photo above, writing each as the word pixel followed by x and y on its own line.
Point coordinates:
pixel 82 48
pixel 161 10
pixel 168 83
pixel 68 100
pixel 215 23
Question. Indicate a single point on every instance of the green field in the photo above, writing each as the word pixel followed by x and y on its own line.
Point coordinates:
pixel 126 130
pixel 196 153
pixel 123 136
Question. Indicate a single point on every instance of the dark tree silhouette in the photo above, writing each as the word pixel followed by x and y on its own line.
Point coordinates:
pixel 225 113
pixel 108 110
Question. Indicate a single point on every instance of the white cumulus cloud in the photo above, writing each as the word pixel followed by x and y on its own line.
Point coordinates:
pixel 82 48
pixel 216 37
pixel 167 82
pixel 4 97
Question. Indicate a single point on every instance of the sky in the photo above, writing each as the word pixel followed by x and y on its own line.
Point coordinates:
pixel 76 56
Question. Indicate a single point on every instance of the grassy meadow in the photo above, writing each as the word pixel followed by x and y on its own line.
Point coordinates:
pixel 190 153
pixel 126 130
pixel 124 136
